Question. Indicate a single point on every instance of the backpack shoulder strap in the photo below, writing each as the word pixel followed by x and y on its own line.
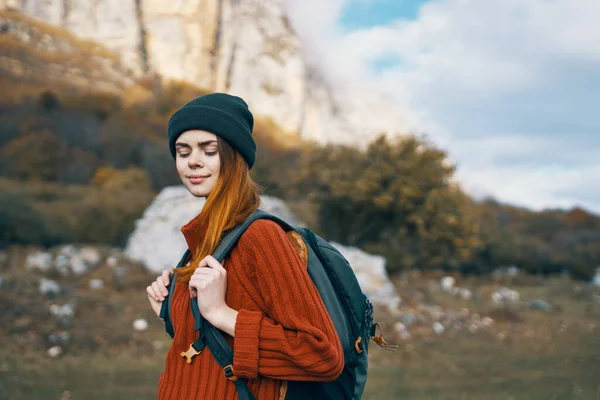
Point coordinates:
pixel 233 235
pixel 219 348
pixel 224 247
pixel 165 308
pixel 221 351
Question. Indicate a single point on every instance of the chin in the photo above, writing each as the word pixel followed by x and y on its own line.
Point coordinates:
pixel 197 191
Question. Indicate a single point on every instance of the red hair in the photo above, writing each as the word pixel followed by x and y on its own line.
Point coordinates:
pixel 234 197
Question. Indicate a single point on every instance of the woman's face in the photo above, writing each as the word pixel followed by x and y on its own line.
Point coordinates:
pixel 197 160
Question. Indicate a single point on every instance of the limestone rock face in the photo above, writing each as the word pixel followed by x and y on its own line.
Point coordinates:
pixel 247 48
pixel 35 51
pixel 158 243
pixel 113 23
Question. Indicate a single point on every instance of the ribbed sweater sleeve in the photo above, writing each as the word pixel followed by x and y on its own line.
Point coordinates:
pixel 293 336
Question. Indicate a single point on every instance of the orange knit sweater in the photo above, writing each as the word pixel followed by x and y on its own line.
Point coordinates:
pixel 283 331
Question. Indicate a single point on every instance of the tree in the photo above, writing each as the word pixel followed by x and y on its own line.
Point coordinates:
pixel 19 221
pixel 122 180
pixel 36 155
pixel 395 198
pixel 48 100
pixel 542 243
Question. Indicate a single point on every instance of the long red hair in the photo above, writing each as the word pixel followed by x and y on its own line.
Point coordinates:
pixel 234 197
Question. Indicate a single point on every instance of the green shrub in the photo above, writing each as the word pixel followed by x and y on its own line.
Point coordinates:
pixel 49 214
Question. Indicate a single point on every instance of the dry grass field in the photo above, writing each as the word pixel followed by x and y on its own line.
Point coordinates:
pixel 524 354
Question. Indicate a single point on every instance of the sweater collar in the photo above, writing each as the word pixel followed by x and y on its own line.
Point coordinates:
pixel 194 233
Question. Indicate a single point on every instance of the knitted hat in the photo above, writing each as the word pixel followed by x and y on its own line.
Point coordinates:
pixel 222 114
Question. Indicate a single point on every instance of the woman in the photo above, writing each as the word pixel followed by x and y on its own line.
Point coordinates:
pixel 261 297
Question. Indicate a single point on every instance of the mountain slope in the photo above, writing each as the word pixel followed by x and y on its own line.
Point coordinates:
pixel 35 53
pixel 243 47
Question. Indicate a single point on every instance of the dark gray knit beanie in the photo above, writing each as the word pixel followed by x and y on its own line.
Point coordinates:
pixel 224 115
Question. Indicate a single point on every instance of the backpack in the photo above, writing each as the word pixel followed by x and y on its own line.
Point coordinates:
pixel 349 309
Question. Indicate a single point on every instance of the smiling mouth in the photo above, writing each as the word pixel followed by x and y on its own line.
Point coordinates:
pixel 197 179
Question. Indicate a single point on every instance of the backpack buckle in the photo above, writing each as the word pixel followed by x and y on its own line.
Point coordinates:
pixel 190 353
pixel 228 370
pixel 358 345
pixel 380 340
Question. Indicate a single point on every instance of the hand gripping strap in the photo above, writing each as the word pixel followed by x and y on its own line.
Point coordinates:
pixel 219 348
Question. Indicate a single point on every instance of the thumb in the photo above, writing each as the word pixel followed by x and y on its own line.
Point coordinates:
pixel 166 274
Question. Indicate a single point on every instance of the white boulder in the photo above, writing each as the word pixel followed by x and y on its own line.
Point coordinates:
pixel 96 284
pixel 49 287
pixel 90 256
pixel 40 260
pixel 55 351
pixel 372 276
pixel 447 283
pixel 596 279
pixel 65 312
pixel 111 261
pixel 505 296
pixel 140 324
pixel 157 241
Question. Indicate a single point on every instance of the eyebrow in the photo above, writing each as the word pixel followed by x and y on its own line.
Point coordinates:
pixel 201 144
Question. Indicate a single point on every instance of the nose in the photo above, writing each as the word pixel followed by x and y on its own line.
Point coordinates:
pixel 195 160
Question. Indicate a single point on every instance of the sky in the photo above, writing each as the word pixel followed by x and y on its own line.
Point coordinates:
pixel 511 88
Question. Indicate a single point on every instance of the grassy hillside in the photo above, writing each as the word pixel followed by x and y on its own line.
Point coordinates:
pixel 37 55
pixel 524 354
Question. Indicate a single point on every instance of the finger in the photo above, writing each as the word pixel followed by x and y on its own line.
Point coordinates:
pixel 200 282
pixel 205 271
pixel 161 286
pixel 213 263
pixel 208 261
pixel 151 293
pixel 157 291
pixel 166 274
pixel 195 280
pixel 204 262
pixel 160 282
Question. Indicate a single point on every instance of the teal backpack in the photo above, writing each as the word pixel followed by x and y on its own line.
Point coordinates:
pixel 349 309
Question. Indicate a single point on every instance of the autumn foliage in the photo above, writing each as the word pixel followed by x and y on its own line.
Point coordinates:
pixel 82 168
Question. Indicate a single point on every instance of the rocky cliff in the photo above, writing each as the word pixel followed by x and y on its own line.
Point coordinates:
pixel 243 47
pixel 34 52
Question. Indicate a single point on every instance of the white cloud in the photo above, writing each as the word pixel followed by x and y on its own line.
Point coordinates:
pixel 470 72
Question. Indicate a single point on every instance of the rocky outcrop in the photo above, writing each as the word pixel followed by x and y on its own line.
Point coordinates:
pixel 36 52
pixel 243 47
pixel 112 23
pixel 158 243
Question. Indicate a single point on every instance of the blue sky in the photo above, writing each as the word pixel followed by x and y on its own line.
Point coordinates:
pixel 364 14
pixel 509 88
